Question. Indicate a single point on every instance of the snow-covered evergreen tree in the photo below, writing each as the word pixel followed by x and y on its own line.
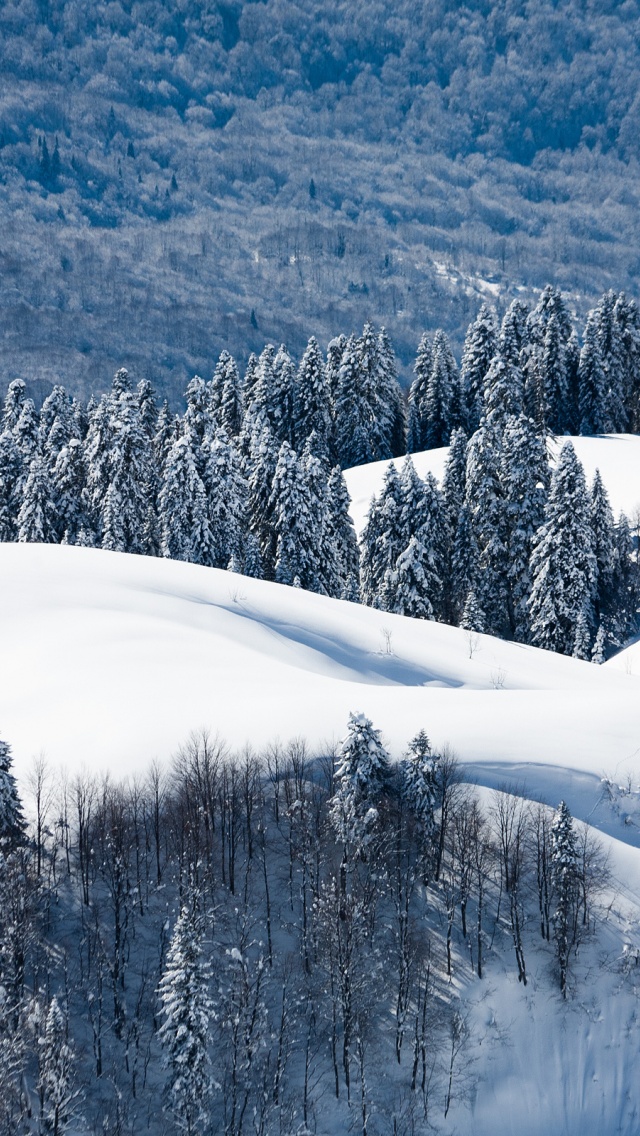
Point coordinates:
pixel 262 462
pixel 420 789
pixel 473 617
pixel 198 419
pixel 37 520
pixel 147 408
pixel 187 1012
pixel 563 565
pixel 227 492
pixel 603 528
pixel 183 507
pixel 485 503
pixel 360 777
pixel 68 482
pixel 391 396
pixel 313 398
pixel 417 429
pixel 293 520
pixel 341 538
pixel 55 1083
pixel 383 537
pixel 12 823
pixel 564 875
pixel 354 443
pixel 407 587
pixel 524 477
pixel 13 403
pixel 480 346
pixel 439 395
pixel 11 483
pixel 592 381
pixel 513 333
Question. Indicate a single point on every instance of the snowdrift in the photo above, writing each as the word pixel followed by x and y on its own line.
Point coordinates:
pixel 110 660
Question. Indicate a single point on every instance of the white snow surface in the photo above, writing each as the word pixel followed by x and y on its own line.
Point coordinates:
pixel 617 456
pixel 110 660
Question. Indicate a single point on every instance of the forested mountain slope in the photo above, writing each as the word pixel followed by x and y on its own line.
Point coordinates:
pixel 179 178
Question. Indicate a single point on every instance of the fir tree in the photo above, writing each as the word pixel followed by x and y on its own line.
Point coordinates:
pixel 480 346
pixel 383 537
pixel 313 400
pixel 197 421
pixel 147 408
pixel 592 382
pixel 524 477
pixel 563 565
pixel 564 874
pixel 463 577
pixel 603 529
pixel 473 617
pixel 293 520
pixel 354 443
pixel 13 403
pixel 164 437
pixel 335 351
pixel 11 482
pixel 420 789
pixel 407 588
pixel 360 778
pixel 184 1033
pixel 391 396
pixel 12 823
pixel 417 431
pixel 262 463
pixel 230 411
pixel 513 333
pixel 55 1083
pixel 439 395
pixel 183 510
pixel 37 520
pixel 68 482
pixel 57 424
pixel 252 558
pixel 227 492
pixel 485 502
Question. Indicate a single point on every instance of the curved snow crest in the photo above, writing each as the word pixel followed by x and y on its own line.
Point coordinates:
pixel 110 660
pixel 617 456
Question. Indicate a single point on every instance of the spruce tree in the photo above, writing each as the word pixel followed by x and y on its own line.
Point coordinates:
pixel 291 508
pixel 480 346
pixel 11 484
pixel 197 420
pixel 524 478
pixel 147 408
pixel 362 769
pixel 13 403
pixel 408 586
pixel 383 537
pixel 313 400
pixel 513 333
pixel 592 381
pixel 55 1084
pixel 12 823
pixel 354 442
pixel 417 430
pixel 604 549
pixel 227 492
pixel 420 789
pixel 564 875
pixel 261 465
pixel 439 395
pixel 391 396
pixel 563 565
pixel 183 508
pixel 37 519
pixel 465 568
pixel 187 1012
pixel 68 483
pixel 485 503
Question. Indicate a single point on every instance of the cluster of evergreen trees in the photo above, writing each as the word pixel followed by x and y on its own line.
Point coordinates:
pixel 243 942
pixel 249 477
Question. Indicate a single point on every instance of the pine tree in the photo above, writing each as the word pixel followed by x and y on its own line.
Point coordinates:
pixel 407 588
pixel 293 521
pixel 13 403
pixel 184 1033
pixel 262 462
pixel 383 537
pixel 563 565
pixel 513 333
pixel 341 536
pixel 147 408
pixel 313 399
pixel 420 789
pixel 360 778
pixel 11 483
pixel 603 528
pixel 485 502
pixel 68 482
pixel 183 509
pixel 12 823
pixel 417 431
pixel 439 395
pixel 354 442
pixel 391 396
pixel 463 577
pixel 227 493
pixel 592 382
pixel 480 346
pixel 37 520
pixel 564 875
pixel 524 477
pixel 55 1083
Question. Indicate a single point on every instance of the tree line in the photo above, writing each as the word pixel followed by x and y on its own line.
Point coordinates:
pixel 249 943
pixel 249 477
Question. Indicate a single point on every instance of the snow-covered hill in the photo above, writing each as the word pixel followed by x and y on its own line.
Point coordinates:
pixel 617 456
pixel 110 660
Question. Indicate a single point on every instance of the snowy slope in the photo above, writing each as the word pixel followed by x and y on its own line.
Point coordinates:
pixel 617 456
pixel 110 660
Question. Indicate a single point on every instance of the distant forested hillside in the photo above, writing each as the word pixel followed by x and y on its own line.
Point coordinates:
pixel 177 178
